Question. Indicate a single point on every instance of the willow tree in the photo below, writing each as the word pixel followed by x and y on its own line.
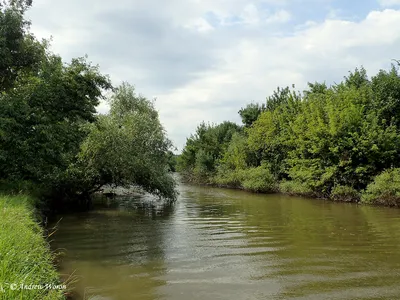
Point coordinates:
pixel 127 147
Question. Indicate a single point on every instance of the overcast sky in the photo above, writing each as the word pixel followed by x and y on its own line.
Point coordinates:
pixel 205 59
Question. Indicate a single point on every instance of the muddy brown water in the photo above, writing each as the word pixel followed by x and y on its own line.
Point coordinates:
pixel 227 244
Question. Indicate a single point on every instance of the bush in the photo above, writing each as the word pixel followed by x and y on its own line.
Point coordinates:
pixel 385 189
pixel 345 193
pixel 229 178
pixel 258 180
pixel 293 187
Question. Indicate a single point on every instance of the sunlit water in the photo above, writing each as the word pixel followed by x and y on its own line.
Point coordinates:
pixel 225 244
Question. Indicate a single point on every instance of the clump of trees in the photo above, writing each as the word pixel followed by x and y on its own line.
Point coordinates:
pixel 51 137
pixel 340 142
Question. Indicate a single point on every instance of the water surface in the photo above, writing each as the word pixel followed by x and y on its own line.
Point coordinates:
pixel 227 244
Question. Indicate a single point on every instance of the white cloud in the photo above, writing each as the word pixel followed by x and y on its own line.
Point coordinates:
pixel 281 16
pixel 387 3
pixel 250 14
pixel 199 24
pixel 201 70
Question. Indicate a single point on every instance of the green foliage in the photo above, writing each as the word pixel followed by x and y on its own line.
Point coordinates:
pixel 386 90
pixel 269 137
pixel 385 189
pixel 339 141
pixel 229 178
pixel 293 187
pixel 128 147
pixel 258 180
pixel 357 79
pixel 203 150
pixel 316 88
pixel 20 52
pixel 250 113
pixel 345 193
pixel 41 119
pixel 25 257
pixel 237 155
pixel 50 134
pixel 172 161
pixel 281 97
pixel 327 142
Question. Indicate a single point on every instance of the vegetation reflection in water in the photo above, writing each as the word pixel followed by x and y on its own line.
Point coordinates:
pixel 224 244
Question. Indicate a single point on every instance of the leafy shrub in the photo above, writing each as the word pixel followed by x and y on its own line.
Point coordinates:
pixel 293 187
pixel 385 189
pixel 228 178
pixel 345 193
pixel 258 179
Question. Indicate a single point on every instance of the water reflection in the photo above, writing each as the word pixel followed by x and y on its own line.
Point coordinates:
pixel 224 244
pixel 117 249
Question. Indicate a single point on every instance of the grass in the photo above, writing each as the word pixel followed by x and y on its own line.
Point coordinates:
pixel 25 256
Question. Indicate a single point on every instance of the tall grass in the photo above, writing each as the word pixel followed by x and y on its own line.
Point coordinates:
pixel 25 257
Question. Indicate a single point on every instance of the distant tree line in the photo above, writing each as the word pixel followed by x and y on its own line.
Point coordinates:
pixel 340 142
pixel 52 141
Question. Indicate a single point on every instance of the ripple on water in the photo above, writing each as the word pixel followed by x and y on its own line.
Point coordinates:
pixel 219 244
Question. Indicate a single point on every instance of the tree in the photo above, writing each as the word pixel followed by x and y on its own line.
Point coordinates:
pixel 386 90
pixel 205 148
pixel 328 139
pixel 41 120
pixel 280 97
pixel 237 155
pixel 128 147
pixel 357 79
pixel 316 88
pixel 20 52
pixel 250 113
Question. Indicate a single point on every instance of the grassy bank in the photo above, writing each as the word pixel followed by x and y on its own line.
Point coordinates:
pixel 26 262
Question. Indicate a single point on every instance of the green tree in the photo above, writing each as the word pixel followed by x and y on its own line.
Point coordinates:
pixel 41 120
pixel 128 147
pixel 328 141
pixel 269 137
pixel 339 141
pixel 250 113
pixel 172 161
pixel 205 148
pixel 20 52
pixel 386 91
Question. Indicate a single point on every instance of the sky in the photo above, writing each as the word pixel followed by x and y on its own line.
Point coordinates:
pixel 205 59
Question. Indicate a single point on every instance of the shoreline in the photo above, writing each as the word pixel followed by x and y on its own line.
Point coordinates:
pixel 28 264
pixel 344 198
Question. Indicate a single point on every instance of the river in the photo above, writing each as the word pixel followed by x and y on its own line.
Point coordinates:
pixel 227 244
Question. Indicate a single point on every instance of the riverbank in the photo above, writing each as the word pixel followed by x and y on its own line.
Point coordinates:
pixel 26 261
pixel 384 189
